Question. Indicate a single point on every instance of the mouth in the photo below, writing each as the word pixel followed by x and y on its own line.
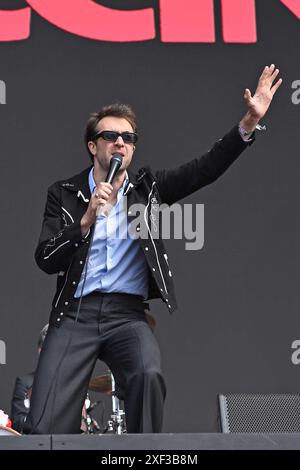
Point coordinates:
pixel 118 153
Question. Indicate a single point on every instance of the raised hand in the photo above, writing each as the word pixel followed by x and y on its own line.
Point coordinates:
pixel 259 103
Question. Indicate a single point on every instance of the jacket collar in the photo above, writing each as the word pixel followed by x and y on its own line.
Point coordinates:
pixel 80 183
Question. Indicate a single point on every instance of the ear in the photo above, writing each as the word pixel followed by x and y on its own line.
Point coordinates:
pixel 92 147
pixel 133 148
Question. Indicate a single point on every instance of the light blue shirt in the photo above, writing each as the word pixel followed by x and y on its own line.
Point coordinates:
pixel 117 262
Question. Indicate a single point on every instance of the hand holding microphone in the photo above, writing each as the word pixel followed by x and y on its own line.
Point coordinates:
pixel 101 195
pixel 115 165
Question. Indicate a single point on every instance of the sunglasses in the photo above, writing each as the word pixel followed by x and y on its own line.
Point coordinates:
pixel 112 136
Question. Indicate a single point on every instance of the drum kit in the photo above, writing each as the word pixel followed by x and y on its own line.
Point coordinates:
pixel 116 424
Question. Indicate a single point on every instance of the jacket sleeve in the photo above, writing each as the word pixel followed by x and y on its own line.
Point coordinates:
pixel 180 182
pixel 59 239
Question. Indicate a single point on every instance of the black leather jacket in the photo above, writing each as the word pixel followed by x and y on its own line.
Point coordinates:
pixel 62 249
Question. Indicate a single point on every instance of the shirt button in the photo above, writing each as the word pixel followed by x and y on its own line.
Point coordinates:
pixel 81 262
pixel 74 283
pixel 153 269
pixel 169 305
pixel 129 212
pixel 66 303
pixel 76 244
pixel 146 248
pixel 161 289
pixel 138 229
pixel 58 319
pixel 167 300
pixel 61 314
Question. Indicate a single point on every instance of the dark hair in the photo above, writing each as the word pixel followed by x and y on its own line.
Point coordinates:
pixel 115 110
pixel 42 336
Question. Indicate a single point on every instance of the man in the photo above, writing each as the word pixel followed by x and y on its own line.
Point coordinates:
pixel 98 309
pixel 20 403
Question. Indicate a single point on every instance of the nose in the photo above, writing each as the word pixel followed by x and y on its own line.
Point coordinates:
pixel 120 142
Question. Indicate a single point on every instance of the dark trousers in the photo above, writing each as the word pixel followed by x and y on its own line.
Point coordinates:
pixel 110 327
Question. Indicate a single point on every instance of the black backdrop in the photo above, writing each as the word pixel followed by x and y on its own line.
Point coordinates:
pixel 238 296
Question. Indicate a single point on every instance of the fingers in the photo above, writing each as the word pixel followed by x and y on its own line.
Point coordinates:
pixel 267 78
pixel 264 73
pixel 101 194
pixel 104 187
pixel 100 198
pixel 270 72
pixel 274 74
pixel 271 69
pixel 101 201
pixel 267 72
pixel 247 94
pixel 276 86
pixel 103 190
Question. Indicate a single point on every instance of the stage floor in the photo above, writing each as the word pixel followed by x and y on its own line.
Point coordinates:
pixel 127 442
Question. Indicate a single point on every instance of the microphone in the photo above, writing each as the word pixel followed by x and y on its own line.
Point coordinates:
pixel 115 165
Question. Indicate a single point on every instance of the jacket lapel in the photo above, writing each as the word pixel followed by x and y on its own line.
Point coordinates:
pixel 79 184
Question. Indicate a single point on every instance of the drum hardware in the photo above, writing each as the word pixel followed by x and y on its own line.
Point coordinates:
pixel 106 384
pixel 89 424
pixel 117 423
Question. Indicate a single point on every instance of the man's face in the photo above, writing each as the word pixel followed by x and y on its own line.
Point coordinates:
pixel 103 149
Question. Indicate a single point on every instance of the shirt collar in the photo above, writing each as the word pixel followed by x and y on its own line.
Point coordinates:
pixel 92 183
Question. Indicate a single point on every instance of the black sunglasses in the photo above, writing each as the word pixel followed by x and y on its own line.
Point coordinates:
pixel 112 136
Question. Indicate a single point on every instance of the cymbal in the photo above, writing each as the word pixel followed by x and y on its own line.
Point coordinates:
pixel 101 383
